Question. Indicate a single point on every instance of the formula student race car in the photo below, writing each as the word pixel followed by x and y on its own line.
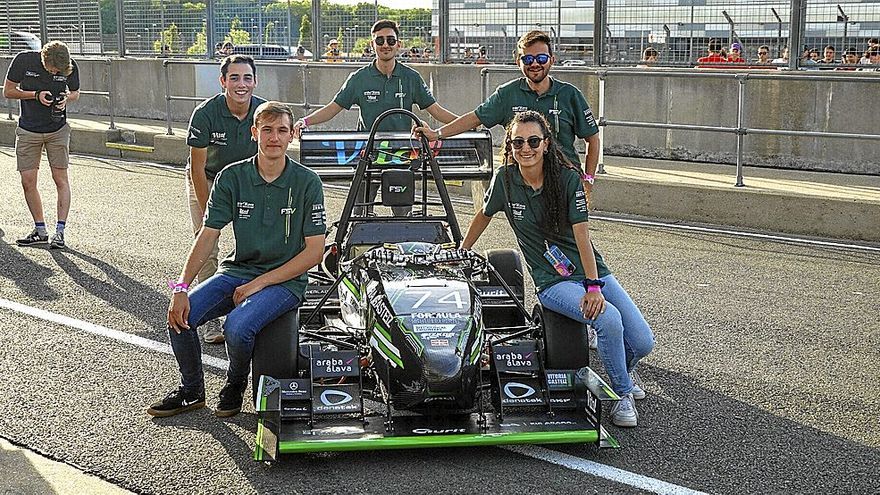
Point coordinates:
pixel 414 342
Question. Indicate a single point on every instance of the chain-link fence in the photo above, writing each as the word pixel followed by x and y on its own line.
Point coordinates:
pixel 23 23
pixel 675 32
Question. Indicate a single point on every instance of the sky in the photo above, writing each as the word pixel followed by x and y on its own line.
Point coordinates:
pixel 394 4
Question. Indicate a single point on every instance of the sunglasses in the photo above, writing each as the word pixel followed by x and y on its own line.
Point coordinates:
pixel 533 141
pixel 762 53
pixel 541 58
pixel 381 40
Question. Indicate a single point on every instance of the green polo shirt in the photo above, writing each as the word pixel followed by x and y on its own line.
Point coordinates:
pixel 525 214
pixel 228 139
pixel 375 93
pixel 563 105
pixel 270 220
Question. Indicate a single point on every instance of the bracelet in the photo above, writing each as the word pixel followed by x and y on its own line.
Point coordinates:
pixel 177 287
pixel 439 134
pixel 305 121
pixel 37 94
pixel 594 288
pixel 589 178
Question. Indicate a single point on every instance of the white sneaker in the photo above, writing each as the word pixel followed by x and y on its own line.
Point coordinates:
pixel 624 412
pixel 213 333
pixel 593 338
pixel 638 391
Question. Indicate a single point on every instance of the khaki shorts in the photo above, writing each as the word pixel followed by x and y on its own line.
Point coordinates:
pixel 29 148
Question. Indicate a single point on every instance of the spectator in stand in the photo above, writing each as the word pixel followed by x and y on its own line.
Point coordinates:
pixel 165 52
pixel 873 56
pixel 468 56
pixel 784 58
pixel 828 56
pixel 333 55
pixel 482 58
pixel 872 42
pixel 850 57
pixel 763 55
pixel 814 55
pixel 366 54
pixel 227 50
pixel 427 54
pixel 650 56
pixel 300 53
pixel 714 57
pixel 735 56
pixel 218 50
pixel 415 54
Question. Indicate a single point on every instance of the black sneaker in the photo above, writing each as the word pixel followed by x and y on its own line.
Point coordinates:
pixel 176 402
pixel 57 241
pixel 33 238
pixel 231 397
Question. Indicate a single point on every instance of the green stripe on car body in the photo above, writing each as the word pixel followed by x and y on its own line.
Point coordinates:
pixel 348 283
pixel 430 441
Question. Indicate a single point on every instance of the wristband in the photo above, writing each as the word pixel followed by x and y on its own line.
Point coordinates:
pixel 594 288
pixel 589 178
pixel 177 287
pixel 593 283
pixel 37 94
pixel 305 121
pixel 439 134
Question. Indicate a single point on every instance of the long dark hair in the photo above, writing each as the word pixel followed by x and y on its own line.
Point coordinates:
pixel 555 202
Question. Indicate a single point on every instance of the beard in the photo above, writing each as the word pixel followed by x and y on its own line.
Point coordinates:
pixel 537 77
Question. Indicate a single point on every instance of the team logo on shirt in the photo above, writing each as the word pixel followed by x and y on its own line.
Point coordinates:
pixel 30 73
pixel 518 108
pixel 400 95
pixel 244 209
pixel 218 138
pixel 372 95
pixel 59 78
pixel 319 216
pixel 588 114
pixel 554 111
pixel 517 209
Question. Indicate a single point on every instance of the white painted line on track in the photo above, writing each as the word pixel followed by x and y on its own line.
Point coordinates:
pixel 103 331
pixel 568 461
pixel 593 468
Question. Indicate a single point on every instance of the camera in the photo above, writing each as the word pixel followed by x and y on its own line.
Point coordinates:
pixel 56 113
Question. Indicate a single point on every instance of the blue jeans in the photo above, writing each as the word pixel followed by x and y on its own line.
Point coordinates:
pixel 213 299
pixel 624 336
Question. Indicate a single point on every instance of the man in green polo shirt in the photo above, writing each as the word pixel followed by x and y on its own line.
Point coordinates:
pixel 220 134
pixel 561 103
pixel 380 86
pixel 276 207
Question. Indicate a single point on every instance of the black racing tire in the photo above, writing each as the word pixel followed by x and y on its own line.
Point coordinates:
pixel 508 264
pixel 566 345
pixel 276 350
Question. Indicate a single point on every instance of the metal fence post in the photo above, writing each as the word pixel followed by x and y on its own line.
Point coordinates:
pixel 599 25
pixel 44 22
pixel 602 79
pixel 316 30
pixel 209 29
pixel 443 31
pixel 120 27
pixel 304 70
pixel 170 131
pixel 740 126
pixel 110 99
pixel 797 32
pixel 484 84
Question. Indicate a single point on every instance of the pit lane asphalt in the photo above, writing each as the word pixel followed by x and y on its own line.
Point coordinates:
pixel 764 378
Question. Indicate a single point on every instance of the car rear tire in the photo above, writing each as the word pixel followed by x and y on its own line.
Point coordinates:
pixel 566 345
pixel 509 266
pixel 276 349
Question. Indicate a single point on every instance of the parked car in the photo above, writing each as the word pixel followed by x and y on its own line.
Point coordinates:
pixel 268 52
pixel 19 41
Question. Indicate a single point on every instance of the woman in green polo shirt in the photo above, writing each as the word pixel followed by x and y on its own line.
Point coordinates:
pixel 541 194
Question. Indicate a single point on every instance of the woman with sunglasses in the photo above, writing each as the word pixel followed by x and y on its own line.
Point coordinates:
pixel 540 192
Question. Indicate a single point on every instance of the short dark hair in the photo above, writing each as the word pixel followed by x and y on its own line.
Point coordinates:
pixel 764 47
pixel 714 45
pixel 872 52
pixel 873 41
pixel 385 24
pixel 272 110
pixel 831 47
pixel 237 59
pixel 532 37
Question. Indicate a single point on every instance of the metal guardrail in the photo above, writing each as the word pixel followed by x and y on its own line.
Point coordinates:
pixel 741 77
pixel 108 72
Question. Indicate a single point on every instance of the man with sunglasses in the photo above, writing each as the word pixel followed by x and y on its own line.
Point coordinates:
pixel 564 105
pixel 382 85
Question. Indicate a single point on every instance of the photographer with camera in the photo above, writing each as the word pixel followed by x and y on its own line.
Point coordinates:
pixel 45 81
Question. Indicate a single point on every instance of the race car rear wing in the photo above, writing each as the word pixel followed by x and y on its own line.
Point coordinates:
pixel 334 154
